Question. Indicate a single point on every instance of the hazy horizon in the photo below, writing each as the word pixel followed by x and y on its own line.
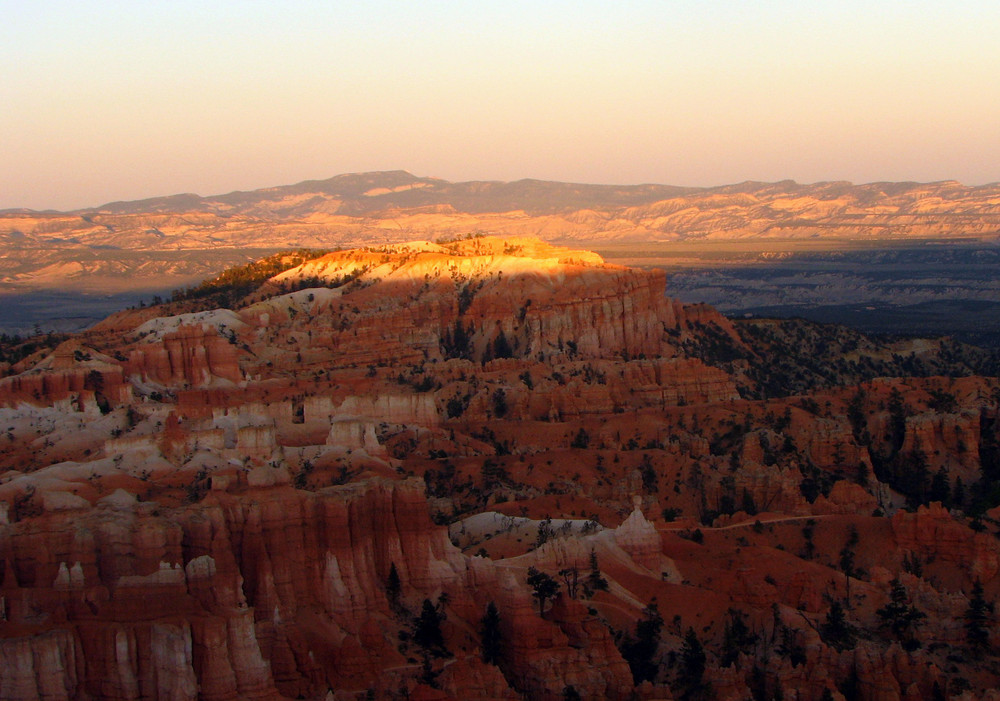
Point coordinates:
pixel 116 101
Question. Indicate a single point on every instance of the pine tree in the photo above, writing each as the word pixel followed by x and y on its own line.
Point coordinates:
pixel 640 651
pixel 501 346
pixel 977 623
pixel 914 478
pixel 571 578
pixel 736 638
pixel 581 440
pixel 429 675
pixel 393 587
pixel 836 631
pixel 691 678
pixel 499 403
pixel 940 488
pixel 595 580
pixel 851 686
pixel 492 641
pixel 958 494
pixel 897 420
pixel 809 549
pixel 847 561
pixel 857 419
pixel 544 586
pixel 427 629
pixel 901 616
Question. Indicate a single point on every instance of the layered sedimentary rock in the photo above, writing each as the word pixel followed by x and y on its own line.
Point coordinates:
pixel 272 593
pixel 932 532
pixel 71 373
pixel 540 299
pixel 946 440
pixel 679 381
pixel 189 357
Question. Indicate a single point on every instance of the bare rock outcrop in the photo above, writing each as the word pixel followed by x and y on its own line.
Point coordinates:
pixel 191 356
pixel 226 599
pixel 931 531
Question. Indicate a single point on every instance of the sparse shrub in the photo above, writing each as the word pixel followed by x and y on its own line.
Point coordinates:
pixel 737 638
pixel 457 405
pixel 670 514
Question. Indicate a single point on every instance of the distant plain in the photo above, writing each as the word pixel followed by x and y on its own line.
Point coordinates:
pixel 913 288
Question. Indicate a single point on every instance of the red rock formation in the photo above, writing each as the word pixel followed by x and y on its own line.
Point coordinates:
pixel 275 592
pixel 831 446
pixel 932 531
pixel 847 498
pixel 568 303
pixel 588 661
pixel 503 375
pixel 669 382
pixel 188 357
pixel 639 538
pixel 946 440
pixel 72 372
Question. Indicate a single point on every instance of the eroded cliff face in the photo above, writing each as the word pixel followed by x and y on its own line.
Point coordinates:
pixel 191 356
pixel 482 299
pixel 252 502
pixel 71 374
pixel 933 533
pixel 271 593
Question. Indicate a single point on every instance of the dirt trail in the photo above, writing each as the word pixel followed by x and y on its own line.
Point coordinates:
pixel 749 524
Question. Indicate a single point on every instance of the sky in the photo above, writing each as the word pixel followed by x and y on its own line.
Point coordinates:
pixel 103 101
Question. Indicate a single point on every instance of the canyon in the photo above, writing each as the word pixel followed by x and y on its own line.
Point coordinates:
pixel 493 467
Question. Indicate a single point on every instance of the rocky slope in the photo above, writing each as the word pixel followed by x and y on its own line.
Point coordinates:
pixel 493 468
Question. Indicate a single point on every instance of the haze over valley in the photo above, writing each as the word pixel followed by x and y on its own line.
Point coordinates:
pixel 772 248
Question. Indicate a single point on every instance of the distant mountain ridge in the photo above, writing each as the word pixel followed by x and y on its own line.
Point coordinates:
pixel 380 193
pixel 376 190
pixel 379 190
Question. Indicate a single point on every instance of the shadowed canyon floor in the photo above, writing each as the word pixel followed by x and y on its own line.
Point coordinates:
pixel 494 468
pixel 902 287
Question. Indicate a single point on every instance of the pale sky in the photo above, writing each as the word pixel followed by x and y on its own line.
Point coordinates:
pixel 103 101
